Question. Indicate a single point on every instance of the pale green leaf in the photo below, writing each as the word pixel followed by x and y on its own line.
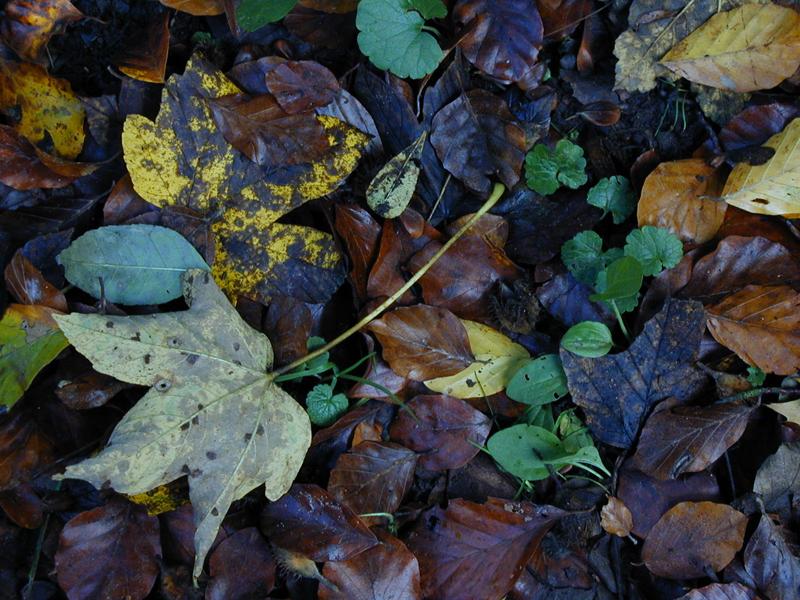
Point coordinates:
pixel 539 381
pixel 392 188
pixel 621 279
pixel 589 339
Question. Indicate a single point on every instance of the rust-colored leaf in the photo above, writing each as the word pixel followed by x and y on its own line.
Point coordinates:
pixel 28 25
pixel 756 124
pixel 89 390
pixel 24 449
pixel 446 432
pixel 361 234
pixel 616 518
pixel 241 567
pixel 423 342
pixel 562 17
pixel 27 284
pixel 288 324
pixel 694 539
pixel 601 113
pixel 109 552
pixel 476 551
pixel 762 325
pixel 145 56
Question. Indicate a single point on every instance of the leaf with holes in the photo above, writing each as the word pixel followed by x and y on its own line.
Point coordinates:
pixel 211 413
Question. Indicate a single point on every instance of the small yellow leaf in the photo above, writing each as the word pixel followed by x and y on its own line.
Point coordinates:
pixel 497 358
pixel 753 47
pixel 790 410
pixel 774 187
pixel 47 105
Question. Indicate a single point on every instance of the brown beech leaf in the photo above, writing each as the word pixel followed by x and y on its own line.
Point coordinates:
pixel 144 57
pixel 462 280
pixel 258 127
pixel 423 342
pixel 617 390
pixel 738 262
pixel 682 196
pixel 23 506
pixel 27 284
pixel 109 552
pixel 24 448
pixel 756 124
pixel 502 38
pixel 648 498
pixel 778 480
pixel 769 560
pixel 477 551
pixel 28 25
pixel 687 439
pixel 381 373
pixel 616 518
pixel 241 567
pixel 601 113
pixel 289 322
pixel 721 591
pixel 562 17
pixel 373 477
pixel 360 234
pixel 476 137
pixel 761 324
pixel 124 206
pixel 446 432
pixel 198 8
pixel 387 571
pixel 90 390
pixel 694 539
pixel 330 530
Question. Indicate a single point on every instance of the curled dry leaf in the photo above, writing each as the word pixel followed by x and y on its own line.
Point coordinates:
pixel 241 567
pixel 28 25
pixel 752 47
pixel 446 432
pixel 421 342
pixel 616 518
pixel 601 113
pixel 694 539
pixel 683 196
pixel 112 551
pixel 330 530
pixel 145 56
pixel 769 188
pixel 762 325
pixel 27 284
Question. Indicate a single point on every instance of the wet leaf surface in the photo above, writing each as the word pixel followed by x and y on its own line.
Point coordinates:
pixel 769 560
pixel 241 567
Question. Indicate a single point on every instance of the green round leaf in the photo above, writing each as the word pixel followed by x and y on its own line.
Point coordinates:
pixel 583 256
pixel 539 381
pixel 589 338
pixel 655 248
pixel 323 406
pixel 393 39
pixel 614 195
pixel 254 14
pixel 138 264
pixel 525 451
pixel 546 170
pixel 621 279
pixel 571 164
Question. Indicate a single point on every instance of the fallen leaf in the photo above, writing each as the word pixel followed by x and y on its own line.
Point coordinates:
pixel 241 567
pixel 752 47
pixel 778 480
pixel 562 17
pixel 421 342
pixel 373 477
pixel 198 8
pixel 347 108
pixel 617 391
pixel 28 25
pixel 694 539
pixel 476 136
pixel 738 262
pixel 48 106
pixel 330 6
pixel 502 38
pixel 330 530
pixel 23 506
pixel 616 518
pixel 144 57
pixel 567 300
pixel 769 560
pixel 361 236
pixel 89 390
pixel 29 341
pixel 196 168
pixel 27 284
pixel 391 189
pixel 497 358
pixel 445 432
pixel 688 439
pixel 682 196
pixel 24 449
pixel 387 571
pixel 769 188
pixel 477 551
pixel 721 591
pixel 112 551
pixel 756 124
pixel 762 325
pixel 208 372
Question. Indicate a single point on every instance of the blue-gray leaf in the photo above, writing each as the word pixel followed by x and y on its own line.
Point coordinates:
pixel 138 264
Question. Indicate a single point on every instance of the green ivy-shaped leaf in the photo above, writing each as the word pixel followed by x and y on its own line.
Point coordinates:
pixel 546 170
pixel 393 38
pixel 589 339
pixel 613 195
pixel 655 248
pixel 323 406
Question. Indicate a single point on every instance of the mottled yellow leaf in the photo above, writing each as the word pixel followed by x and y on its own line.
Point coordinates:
pixel 212 412
pixel 182 159
pixel 497 358
pixel 47 106
pixel 774 187
pixel 753 47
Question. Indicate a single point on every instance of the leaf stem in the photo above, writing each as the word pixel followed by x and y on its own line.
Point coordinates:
pixel 497 192
pixel 619 319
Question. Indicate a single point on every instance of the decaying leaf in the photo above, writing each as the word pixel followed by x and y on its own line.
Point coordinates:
pixel 769 188
pixel 48 106
pixel 208 374
pixel 616 518
pixel 145 57
pixel 769 561
pixel 29 340
pixel 183 160
pixel 27 284
pixel 616 391
pixel 682 196
pixel 242 566
pixel 778 480
pixel 391 189
pixel 28 25
pixel 762 325
pixel 752 47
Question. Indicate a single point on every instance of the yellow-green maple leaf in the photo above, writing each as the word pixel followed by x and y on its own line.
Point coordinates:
pixel 183 159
